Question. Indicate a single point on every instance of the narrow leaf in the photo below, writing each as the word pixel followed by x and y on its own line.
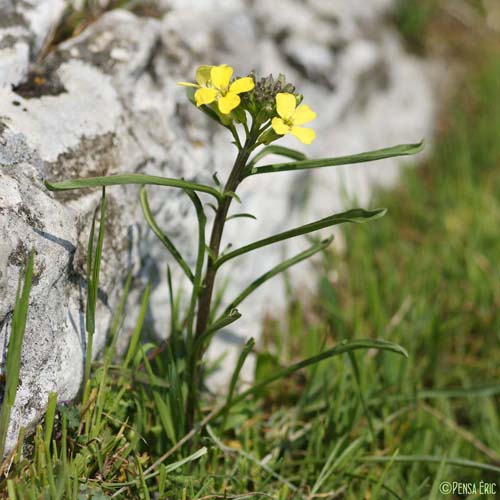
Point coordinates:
pixel 283 266
pixel 378 154
pixel 234 379
pixel 200 260
pixel 148 215
pixel 341 348
pixel 120 179
pixel 277 150
pixel 215 177
pixel 457 462
pixel 119 316
pixel 242 215
pixel 231 194
pixel 94 261
pixel 49 418
pixel 134 340
pixel 195 456
pixel 225 320
pixel 356 215
pixel 13 361
pixel 90 307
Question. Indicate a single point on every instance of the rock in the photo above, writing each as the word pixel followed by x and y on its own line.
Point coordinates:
pixel 108 102
pixel 24 26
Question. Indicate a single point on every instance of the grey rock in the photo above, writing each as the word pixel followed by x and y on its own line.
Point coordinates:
pixel 110 104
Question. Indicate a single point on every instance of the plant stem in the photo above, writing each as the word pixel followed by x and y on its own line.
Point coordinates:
pixel 205 299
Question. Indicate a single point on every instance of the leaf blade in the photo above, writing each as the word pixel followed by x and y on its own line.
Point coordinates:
pixel 277 150
pixel 377 154
pixel 122 179
pixel 283 266
pixel 342 348
pixel 167 242
pixel 356 215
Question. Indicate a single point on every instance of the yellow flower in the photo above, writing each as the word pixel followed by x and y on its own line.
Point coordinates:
pixel 290 117
pixel 214 84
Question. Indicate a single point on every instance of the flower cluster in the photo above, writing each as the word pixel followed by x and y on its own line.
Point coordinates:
pixel 266 89
pixel 272 103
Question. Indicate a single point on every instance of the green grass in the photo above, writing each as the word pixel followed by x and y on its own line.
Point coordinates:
pixel 413 17
pixel 366 424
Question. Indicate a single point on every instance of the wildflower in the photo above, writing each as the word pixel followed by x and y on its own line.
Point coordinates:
pixel 214 84
pixel 290 117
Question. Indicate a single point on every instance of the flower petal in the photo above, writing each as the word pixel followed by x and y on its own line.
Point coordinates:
pixel 285 105
pixel 221 76
pixel 279 126
pixel 303 114
pixel 242 85
pixel 303 134
pixel 203 74
pixel 188 84
pixel 228 102
pixel 205 96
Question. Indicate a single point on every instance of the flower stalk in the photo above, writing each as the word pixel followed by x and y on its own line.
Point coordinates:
pixel 257 113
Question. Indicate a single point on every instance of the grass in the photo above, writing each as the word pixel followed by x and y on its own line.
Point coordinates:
pixel 366 424
pixel 13 358
pixel 413 18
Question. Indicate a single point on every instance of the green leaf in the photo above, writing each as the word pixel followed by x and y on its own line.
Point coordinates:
pixel 118 317
pixel 195 456
pixel 136 376
pixel 250 457
pixel 336 460
pixel 96 264
pixel 225 320
pixel 175 394
pixel 355 215
pixel 90 306
pixel 93 272
pixel 239 115
pixel 457 462
pixel 216 180
pixel 234 378
pixel 268 136
pixel 169 245
pixel 200 260
pixel 232 194
pixel 378 154
pixel 165 417
pixel 136 335
pixel 49 418
pixel 283 266
pixel 277 150
pixel 212 207
pixel 144 486
pixel 13 361
pixel 120 179
pixel 342 348
pixel 242 215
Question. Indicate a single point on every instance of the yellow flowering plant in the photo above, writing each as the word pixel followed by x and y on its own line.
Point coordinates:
pixel 257 112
